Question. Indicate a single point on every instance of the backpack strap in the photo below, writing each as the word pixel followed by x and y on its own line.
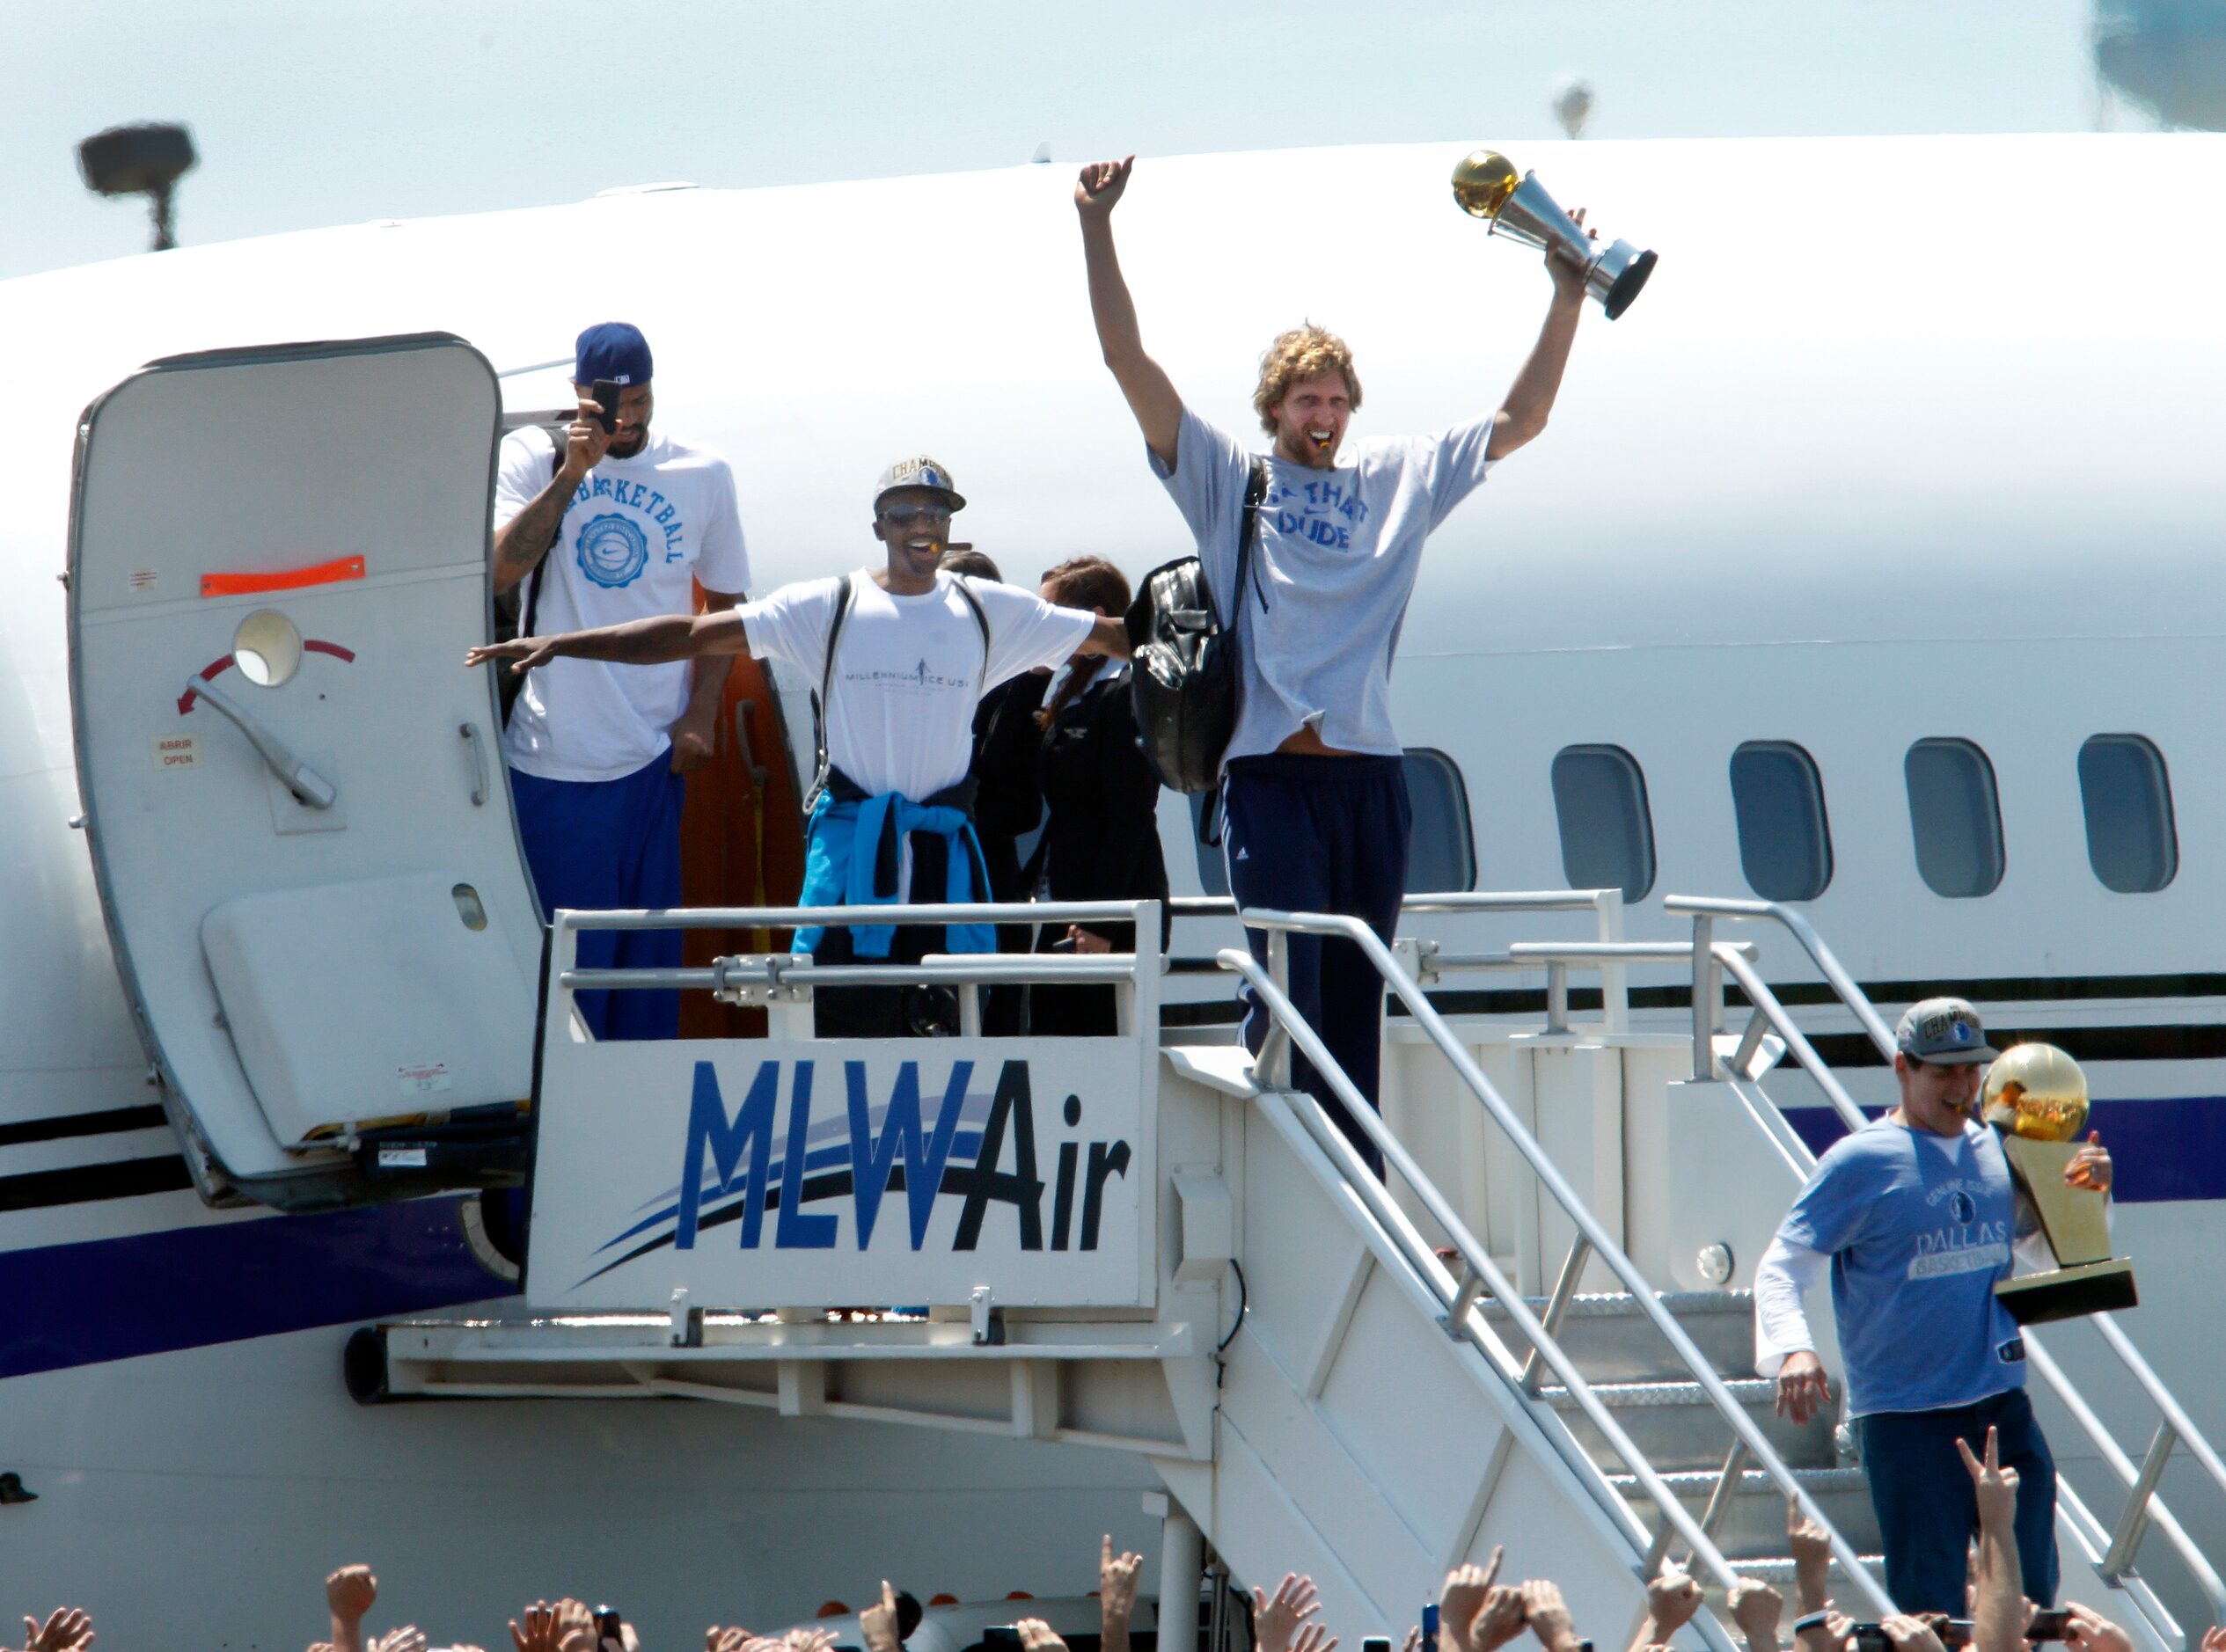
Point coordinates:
pixel 826 687
pixel 528 616
pixel 981 622
pixel 529 613
pixel 1255 492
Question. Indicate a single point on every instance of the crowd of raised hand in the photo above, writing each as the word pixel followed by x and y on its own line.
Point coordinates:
pixel 1475 1611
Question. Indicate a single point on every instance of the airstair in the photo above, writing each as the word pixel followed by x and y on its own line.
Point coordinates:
pixel 1534 1333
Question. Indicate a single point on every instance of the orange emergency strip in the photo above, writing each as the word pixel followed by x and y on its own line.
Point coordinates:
pixel 286 580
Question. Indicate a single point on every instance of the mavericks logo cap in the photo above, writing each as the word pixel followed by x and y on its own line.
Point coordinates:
pixel 614 350
pixel 1944 1031
pixel 920 471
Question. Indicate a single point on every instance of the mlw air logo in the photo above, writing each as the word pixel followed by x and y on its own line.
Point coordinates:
pixel 739 1149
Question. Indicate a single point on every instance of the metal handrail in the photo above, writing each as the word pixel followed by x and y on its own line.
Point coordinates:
pixel 1798 925
pixel 992 970
pixel 1458 1299
pixel 1601 901
pixel 849 916
pixel 1580 1214
pixel 2140 1482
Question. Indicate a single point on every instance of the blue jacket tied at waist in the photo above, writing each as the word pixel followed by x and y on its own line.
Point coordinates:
pixel 850 838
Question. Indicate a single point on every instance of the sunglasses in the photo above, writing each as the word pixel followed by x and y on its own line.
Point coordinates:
pixel 905 515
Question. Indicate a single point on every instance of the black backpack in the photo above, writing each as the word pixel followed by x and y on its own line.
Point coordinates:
pixel 1184 684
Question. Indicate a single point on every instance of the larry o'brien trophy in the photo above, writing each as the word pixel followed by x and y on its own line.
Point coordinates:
pixel 1486 187
pixel 2037 1097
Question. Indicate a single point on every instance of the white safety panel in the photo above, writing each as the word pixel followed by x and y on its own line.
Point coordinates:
pixel 841 1173
pixel 355 1001
pixel 304 529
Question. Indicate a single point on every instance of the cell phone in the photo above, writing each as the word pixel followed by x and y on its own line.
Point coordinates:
pixel 1953 1631
pixel 1869 1637
pixel 610 1629
pixel 1429 1625
pixel 606 392
pixel 1375 1643
pixel 2049 1624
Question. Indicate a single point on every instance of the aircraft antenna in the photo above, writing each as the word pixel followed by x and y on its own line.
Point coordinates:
pixel 139 160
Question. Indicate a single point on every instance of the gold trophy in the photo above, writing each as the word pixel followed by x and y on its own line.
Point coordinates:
pixel 1485 186
pixel 2037 1097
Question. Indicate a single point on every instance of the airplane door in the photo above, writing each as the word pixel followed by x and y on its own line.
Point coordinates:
pixel 293 788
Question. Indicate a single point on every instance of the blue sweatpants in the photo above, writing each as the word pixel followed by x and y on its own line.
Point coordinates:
pixel 1928 1512
pixel 1318 834
pixel 601 845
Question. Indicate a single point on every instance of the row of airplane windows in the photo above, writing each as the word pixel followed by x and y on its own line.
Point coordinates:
pixel 1785 835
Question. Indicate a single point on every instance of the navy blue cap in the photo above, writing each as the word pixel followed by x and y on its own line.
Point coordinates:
pixel 613 350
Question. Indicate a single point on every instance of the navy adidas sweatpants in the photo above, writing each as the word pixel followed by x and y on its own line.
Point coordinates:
pixel 604 845
pixel 1321 834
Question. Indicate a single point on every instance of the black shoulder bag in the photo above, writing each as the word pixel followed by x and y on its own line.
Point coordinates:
pixel 1185 680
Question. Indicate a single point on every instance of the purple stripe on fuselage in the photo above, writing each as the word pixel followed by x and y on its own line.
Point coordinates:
pixel 2171 1147
pixel 153 1293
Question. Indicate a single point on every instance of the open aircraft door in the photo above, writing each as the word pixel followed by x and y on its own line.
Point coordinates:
pixel 292 786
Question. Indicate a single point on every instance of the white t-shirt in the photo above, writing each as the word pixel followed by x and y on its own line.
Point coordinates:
pixel 909 670
pixel 635 534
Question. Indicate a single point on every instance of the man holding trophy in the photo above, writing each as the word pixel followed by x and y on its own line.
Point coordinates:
pixel 1920 1217
pixel 1313 778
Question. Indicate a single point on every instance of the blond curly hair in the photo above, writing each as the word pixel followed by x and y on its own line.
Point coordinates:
pixel 1302 352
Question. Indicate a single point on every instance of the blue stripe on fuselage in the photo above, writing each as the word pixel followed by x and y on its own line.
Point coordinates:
pixel 2173 1147
pixel 155 1293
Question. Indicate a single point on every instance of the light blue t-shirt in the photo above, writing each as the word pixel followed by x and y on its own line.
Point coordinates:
pixel 1335 561
pixel 1918 1232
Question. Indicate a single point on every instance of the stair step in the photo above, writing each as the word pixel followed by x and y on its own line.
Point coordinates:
pixel 1753 1526
pixel 1612 1340
pixel 1678 1427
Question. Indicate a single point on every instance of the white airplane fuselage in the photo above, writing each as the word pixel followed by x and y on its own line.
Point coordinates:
pixel 1907 439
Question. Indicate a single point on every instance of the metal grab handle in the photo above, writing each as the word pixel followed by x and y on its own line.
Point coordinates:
pixel 469 733
pixel 309 787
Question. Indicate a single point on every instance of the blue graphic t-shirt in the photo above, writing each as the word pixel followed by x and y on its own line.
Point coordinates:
pixel 1918 1232
pixel 637 533
pixel 1335 561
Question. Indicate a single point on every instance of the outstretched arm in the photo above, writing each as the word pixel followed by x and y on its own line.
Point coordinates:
pixel 1530 399
pixel 695 737
pixel 1110 636
pixel 637 642
pixel 1151 393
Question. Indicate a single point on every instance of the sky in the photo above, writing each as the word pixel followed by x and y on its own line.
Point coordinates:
pixel 309 113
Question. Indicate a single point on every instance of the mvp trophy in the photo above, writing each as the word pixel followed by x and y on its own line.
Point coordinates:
pixel 1485 186
pixel 2037 1097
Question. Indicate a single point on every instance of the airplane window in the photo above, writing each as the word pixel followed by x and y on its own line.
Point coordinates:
pixel 1955 817
pixel 2131 841
pixel 1785 842
pixel 1607 833
pixel 1441 847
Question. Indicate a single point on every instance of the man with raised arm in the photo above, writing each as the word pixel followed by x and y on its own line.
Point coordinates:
pixel 604 526
pixel 1915 1216
pixel 902 652
pixel 1313 782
